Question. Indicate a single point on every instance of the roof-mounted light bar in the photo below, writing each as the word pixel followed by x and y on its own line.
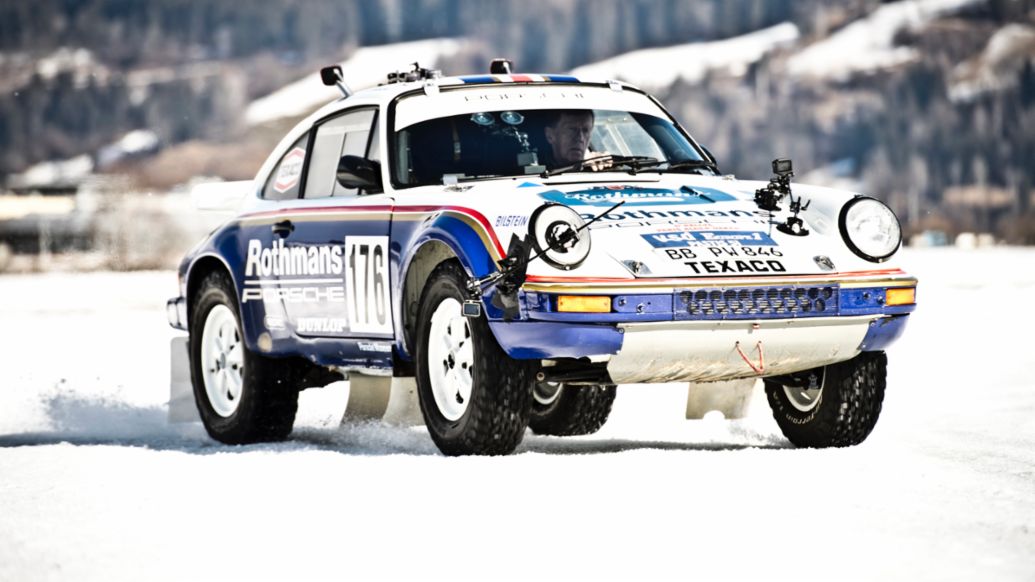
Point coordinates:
pixel 418 73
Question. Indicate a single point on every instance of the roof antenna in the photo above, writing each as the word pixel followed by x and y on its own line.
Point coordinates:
pixel 332 76
pixel 501 66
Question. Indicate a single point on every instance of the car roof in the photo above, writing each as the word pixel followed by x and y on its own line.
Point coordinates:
pixel 385 93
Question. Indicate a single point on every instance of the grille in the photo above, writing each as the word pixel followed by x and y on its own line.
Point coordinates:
pixel 757 302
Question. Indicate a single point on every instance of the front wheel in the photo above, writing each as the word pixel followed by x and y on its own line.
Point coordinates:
pixel 833 406
pixel 242 397
pixel 474 397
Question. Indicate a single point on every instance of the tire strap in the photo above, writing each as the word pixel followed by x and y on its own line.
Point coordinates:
pixel 761 358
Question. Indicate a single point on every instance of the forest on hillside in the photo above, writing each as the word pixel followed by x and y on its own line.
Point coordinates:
pixel 184 67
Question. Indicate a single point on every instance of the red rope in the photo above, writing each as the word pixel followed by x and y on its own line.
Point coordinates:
pixel 761 358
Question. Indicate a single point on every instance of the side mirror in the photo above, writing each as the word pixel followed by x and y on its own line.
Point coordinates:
pixel 331 75
pixel 357 172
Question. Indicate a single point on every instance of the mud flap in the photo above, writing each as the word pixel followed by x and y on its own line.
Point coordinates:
pixel 182 407
pixel 391 400
pixel 732 398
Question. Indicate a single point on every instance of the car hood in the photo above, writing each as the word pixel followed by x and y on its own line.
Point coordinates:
pixel 674 225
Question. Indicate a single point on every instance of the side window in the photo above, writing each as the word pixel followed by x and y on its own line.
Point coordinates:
pixel 284 180
pixel 345 135
pixel 374 151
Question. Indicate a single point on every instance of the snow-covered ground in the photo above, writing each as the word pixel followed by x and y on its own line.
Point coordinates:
pixel 95 485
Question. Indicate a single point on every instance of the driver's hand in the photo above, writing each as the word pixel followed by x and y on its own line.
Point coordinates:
pixel 598 162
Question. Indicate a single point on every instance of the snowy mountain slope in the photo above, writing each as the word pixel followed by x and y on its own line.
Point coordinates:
pixel 365 68
pixel 94 485
pixel 658 68
pixel 867 44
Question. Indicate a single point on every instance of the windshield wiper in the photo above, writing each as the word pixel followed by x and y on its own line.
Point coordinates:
pixel 635 163
pixel 694 164
pixel 606 162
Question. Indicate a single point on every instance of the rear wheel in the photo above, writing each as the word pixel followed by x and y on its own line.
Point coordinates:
pixel 242 397
pixel 833 406
pixel 562 410
pixel 475 398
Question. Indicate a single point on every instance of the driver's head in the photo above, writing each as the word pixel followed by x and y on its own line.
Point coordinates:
pixel 568 135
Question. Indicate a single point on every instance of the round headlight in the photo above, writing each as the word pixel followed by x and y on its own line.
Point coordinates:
pixel 870 229
pixel 556 235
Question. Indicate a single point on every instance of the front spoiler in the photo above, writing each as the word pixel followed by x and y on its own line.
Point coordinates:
pixel 707 351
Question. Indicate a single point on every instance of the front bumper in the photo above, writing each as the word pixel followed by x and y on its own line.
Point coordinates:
pixel 711 333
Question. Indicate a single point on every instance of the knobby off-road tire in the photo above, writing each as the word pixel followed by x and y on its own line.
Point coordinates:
pixel 841 413
pixel 242 397
pixel 562 410
pixel 475 398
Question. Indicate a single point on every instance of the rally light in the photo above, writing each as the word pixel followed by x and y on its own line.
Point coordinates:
pixel 559 236
pixel 901 296
pixel 870 229
pixel 584 304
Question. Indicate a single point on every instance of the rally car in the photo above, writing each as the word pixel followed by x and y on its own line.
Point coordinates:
pixel 511 247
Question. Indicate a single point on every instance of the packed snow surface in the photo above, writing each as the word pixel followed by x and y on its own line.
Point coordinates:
pixel 658 68
pixel 95 485
pixel 367 67
pixel 867 44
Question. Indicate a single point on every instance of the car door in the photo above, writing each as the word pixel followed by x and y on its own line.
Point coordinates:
pixel 338 240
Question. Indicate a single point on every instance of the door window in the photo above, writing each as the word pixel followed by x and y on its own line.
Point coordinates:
pixel 344 135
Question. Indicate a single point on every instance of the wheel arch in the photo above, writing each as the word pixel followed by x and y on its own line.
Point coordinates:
pixel 423 261
pixel 201 268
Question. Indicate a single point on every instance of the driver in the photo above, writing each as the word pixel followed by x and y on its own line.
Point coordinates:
pixel 568 135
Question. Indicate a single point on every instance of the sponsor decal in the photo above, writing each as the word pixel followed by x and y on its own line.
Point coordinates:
pixel 294 294
pixel 732 266
pixel 273 322
pixel 511 220
pixel 709 238
pixel 321 325
pixel 375 347
pixel 290 170
pixel 634 218
pixel 280 260
pixel 636 196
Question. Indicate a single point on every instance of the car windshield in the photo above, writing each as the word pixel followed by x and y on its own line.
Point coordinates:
pixel 507 143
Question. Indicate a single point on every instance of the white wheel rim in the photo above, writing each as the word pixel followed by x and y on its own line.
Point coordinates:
pixel 222 360
pixel 804 399
pixel 450 359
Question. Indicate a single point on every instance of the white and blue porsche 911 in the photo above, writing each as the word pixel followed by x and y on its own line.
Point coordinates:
pixel 510 247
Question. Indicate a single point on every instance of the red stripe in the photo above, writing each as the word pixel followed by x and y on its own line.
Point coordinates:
pixel 521 79
pixel 477 216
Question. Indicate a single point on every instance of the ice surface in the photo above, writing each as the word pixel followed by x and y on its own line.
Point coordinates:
pixel 94 485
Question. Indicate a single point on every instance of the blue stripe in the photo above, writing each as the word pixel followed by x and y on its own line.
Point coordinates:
pixel 562 78
pixel 478 79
